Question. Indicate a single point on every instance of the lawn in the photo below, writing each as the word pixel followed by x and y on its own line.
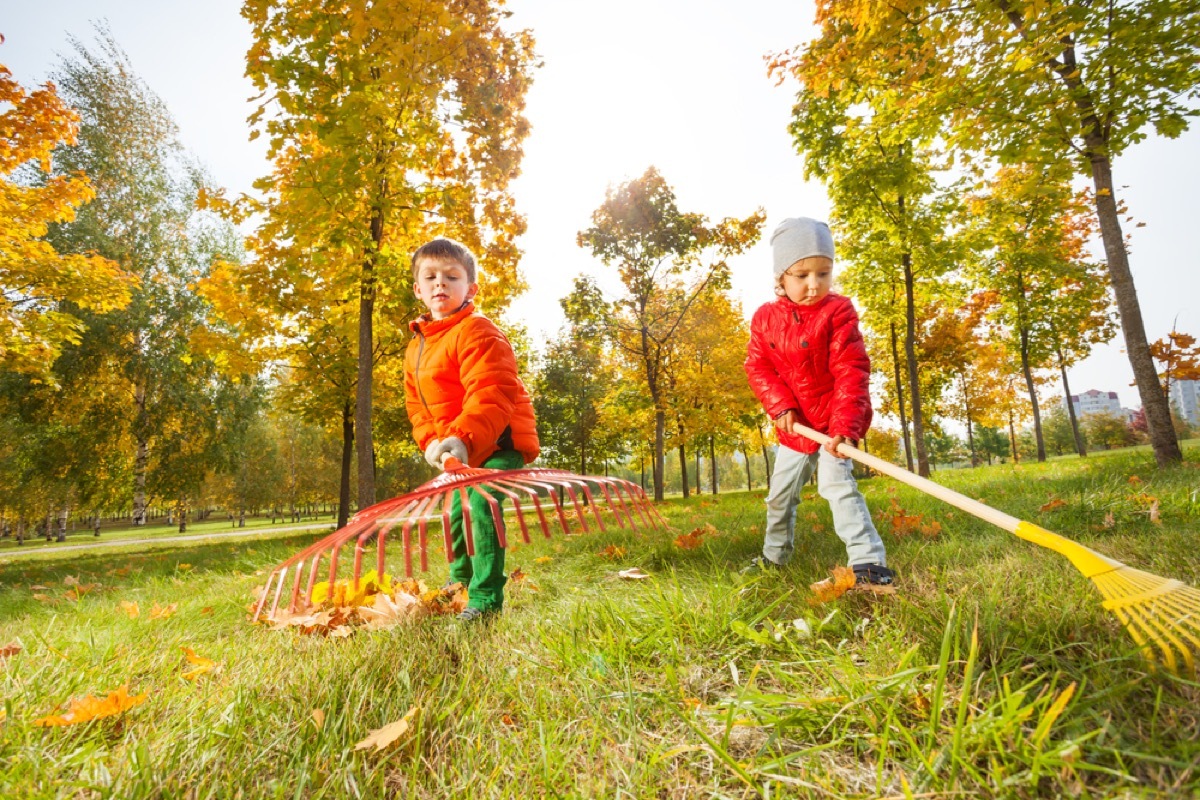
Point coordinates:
pixel 994 671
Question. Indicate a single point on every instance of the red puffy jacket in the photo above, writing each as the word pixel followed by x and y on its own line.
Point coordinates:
pixel 811 359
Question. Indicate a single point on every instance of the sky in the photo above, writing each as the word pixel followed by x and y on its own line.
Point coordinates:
pixel 677 84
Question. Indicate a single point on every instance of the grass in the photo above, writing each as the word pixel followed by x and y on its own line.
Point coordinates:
pixel 994 672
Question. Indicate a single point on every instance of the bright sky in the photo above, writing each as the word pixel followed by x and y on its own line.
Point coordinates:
pixel 680 84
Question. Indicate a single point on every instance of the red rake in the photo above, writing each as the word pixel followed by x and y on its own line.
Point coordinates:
pixel 434 499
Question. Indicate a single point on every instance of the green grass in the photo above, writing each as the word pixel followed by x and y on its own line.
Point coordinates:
pixel 994 672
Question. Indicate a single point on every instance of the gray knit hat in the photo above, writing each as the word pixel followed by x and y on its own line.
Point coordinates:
pixel 797 238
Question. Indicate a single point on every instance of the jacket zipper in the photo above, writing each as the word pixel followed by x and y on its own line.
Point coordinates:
pixel 417 370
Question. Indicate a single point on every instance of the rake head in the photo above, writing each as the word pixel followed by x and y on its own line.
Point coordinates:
pixel 372 528
pixel 1162 615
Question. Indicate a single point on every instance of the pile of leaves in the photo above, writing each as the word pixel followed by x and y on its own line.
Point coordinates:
pixel 905 524
pixel 375 603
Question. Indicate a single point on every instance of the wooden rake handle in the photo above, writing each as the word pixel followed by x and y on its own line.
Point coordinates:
pixel 1087 561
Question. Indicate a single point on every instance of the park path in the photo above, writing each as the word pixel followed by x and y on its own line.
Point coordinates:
pixel 240 532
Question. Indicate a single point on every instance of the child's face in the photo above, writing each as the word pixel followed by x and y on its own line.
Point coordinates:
pixel 443 286
pixel 808 280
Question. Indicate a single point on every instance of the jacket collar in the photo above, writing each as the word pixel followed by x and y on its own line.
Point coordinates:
pixel 425 325
pixel 786 303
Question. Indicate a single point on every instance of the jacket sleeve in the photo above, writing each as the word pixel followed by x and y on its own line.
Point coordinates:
pixel 850 408
pixel 765 381
pixel 491 387
pixel 422 421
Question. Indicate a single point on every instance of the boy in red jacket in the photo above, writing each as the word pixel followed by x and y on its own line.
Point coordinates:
pixel 466 400
pixel 807 364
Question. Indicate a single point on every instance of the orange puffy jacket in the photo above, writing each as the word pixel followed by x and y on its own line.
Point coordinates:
pixel 460 379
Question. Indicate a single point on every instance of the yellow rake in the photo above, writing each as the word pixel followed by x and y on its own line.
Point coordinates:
pixel 1162 615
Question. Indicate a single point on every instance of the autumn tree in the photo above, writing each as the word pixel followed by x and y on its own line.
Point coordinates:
pixel 1178 354
pixel 1042 83
pixel 666 259
pixel 388 123
pixel 40 287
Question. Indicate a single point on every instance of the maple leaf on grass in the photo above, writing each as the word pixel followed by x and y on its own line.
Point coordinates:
pixel 130 609
pixel 1057 502
pixel 203 664
pixel 612 551
pixel 163 612
pixel 90 708
pixel 381 738
pixel 832 588
pixel 10 649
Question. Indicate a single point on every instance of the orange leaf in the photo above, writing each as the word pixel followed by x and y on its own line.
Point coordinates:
pixel 206 611
pixel 1134 480
pixel 508 720
pixel 543 559
pixel 832 588
pixel 130 608
pixel 90 708
pixel 516 575
pixel 163 612
pixel 1057 502
pixel 388 734
pixel 318 718
pixel 10 649
pixel 612 551
pixel 690 540
pixel 203 665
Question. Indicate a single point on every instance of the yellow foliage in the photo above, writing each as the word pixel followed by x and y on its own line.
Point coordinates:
pixel 90 708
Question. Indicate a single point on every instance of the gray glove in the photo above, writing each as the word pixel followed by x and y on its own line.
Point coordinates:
pixel 431 454
pixel 452 446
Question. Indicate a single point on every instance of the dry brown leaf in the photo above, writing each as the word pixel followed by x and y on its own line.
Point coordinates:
pixel 318 718
pixel 37 587
pixel 90 708
pixel 633 574
pixel 508 720
pixel 834 587
pixel 690 540
pixel 1134 480
pixel 389 734
pixel 1154 517
pixel 43 598
pixel 1109 520
pixel 10 649
pixel 1057 502
pixel 163 612
pixel 516 575
pixel 70 580
pixel 130 609
pixel 206 611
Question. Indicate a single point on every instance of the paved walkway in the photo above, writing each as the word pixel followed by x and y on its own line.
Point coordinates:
pixel 18 552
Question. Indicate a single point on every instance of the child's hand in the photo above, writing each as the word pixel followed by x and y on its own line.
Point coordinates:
pixel 832 445
pixel 433 454
pixel 786 420
pixel 452 447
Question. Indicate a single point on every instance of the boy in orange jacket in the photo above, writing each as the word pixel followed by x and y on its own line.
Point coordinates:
pixel 466 400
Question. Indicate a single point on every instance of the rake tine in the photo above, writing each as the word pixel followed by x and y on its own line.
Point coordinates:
pixel 613 507
pixel 422 542
pixel 578 508
pixel 406 532
pixel 380 566
pixel 592 503
pixel 537 503
pixel 497 516
pixel 262 601
pixel 496 486
pixel 296 588
pixel 312 580
pixel 468 533
pixel 629 490
pixel 278 593
pixel 446 534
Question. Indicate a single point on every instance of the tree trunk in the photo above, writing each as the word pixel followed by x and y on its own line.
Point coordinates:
pixel 1037 416
pixel 908 451
pixel 712 456
pixel 1080 447
pixel 366 362
pixel 96 525
pixel 1137 348
pixel 746 455
pixel 762 440
pixel 347 457
pixel 1012 439
pixel 699 472
pixel 660 464
pixel 967 411
pixel 910 353
pixel 21 530
pixel 63 514
pixel 683 469
pixel 182 509
pixel 141 457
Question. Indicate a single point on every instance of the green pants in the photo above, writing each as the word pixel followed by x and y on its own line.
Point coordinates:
pixel 482 573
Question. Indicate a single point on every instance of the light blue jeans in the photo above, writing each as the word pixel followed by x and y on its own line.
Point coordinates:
pixel 836 484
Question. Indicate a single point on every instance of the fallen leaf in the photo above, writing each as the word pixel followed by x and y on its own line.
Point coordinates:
pixel 10 649
pixel 206 611
pixel 203 664
pixel 318 718
pixel 1109 520
pixel 1057 502
pixel 388 734
pixel 70 580
pixel 39 588
pixel 388 612
pixel 1134 480
pixel 131 609
pixel 507 720
pixel 633 574
pixel 1154 513
pixel 612 551
pixel 516 575
pixel 90 708
pixel 690 540
pixel 43 598
pixel 834 587
pixel 183 566
pixel 543 559
pixel 163 612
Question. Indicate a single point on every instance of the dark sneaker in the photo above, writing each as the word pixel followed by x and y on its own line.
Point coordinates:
pixel 470 615
pixel 760 564
pixel 867 575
